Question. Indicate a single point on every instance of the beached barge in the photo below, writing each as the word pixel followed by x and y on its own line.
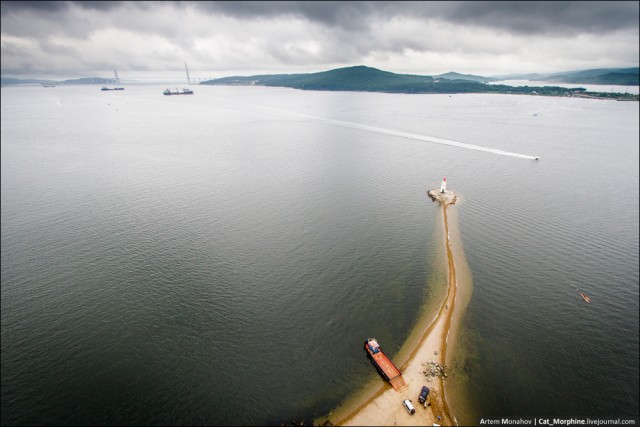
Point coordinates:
pixel 384 365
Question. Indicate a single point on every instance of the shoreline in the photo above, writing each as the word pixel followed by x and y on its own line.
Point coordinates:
pixel 384 406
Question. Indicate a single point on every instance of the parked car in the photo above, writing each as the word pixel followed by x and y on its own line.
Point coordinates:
pixel 409 406
pixel 423 394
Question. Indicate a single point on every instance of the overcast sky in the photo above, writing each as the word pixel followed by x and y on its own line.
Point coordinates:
pixel 218 39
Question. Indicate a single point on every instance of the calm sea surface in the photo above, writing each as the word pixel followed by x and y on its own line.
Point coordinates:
pixel 220 258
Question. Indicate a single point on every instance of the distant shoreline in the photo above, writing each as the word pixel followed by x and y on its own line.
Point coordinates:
pixel 436 89
pixel 367 79
pixel 530 91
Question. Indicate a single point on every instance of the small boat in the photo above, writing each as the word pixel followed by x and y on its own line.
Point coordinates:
pixel 586 298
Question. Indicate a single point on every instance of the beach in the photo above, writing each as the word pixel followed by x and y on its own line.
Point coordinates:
pixel 384 406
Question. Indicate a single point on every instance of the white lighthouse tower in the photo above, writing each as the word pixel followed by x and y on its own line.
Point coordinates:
pixel 443 186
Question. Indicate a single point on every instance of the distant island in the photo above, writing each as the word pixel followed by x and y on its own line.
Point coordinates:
pixel 88 81
pixel 603 76
pixel 368 79
pixel 6 81
pixel 82 81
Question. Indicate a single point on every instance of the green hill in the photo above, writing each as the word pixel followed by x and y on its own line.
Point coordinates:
pixel 361 78
pixel 358 78
pixel 606 76
pixel 457 76
pixel 624 79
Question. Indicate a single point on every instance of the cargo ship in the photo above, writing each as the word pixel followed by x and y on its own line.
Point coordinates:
pixel 384 365
pixel 177 92
pixel 112 88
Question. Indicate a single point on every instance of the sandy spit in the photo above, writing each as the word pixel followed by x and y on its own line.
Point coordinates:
pixel 384 405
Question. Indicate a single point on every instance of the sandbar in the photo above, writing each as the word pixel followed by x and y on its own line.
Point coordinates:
pixel 384 406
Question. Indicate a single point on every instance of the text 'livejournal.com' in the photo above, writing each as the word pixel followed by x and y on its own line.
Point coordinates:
pixel 544 421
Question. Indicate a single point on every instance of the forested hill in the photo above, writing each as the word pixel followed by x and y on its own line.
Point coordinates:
pixel 367 79
pixel 361 78
pixel 624 79
pixel 599 76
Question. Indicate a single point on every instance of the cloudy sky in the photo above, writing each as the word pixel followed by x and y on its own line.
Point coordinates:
pixel 63 39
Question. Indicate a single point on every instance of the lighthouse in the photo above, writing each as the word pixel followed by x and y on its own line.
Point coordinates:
pixel 443 186
pixel 444 197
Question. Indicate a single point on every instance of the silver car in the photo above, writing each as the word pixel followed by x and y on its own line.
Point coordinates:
pixel 408 406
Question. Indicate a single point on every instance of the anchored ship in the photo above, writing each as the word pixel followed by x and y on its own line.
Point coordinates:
pixel 384 365
pixel 177 92
pixel 115 73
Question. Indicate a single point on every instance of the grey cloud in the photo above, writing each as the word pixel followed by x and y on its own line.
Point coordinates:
pixel 344 32
pixel 74 19
pixel 343 14
pixel 58 6
pixel 527 17
pixel 37 6
pixel 542 16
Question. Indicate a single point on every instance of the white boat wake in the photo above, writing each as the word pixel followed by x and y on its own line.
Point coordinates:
pixel 433 139
pixel 426 138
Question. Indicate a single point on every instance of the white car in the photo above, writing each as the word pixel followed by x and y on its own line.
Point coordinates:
pixel 408 406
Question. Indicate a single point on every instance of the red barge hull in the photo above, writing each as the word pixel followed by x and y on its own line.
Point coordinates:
pixel 384 365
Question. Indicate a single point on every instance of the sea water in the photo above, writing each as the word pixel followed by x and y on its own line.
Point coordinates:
pixel 219 258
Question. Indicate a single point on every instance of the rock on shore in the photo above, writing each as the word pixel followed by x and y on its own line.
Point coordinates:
pixel 446 198
pixel 434 369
